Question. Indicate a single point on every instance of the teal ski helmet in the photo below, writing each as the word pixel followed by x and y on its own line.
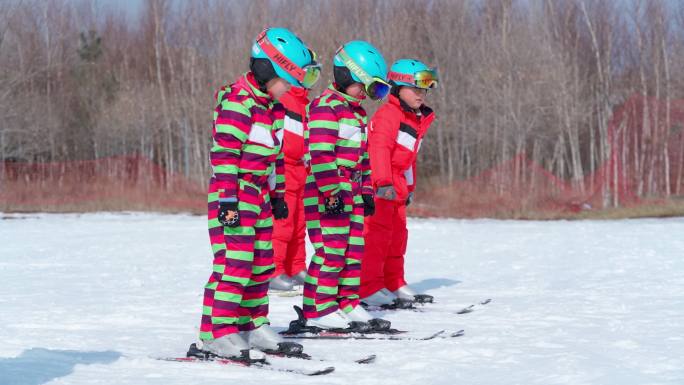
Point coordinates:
pixel 413 73
pixel 278 52
pixel 359 61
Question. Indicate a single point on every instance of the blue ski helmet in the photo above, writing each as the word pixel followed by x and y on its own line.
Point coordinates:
pixel 413 73
pixel 359 61
pixel 278 52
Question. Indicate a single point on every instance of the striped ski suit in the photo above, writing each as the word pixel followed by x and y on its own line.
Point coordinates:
pixel 339 166
pixel 248 166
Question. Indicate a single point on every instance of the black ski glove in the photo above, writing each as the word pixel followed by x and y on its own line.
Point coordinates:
pixel 409 199
pixel 386 192
pixel 223 214
pixel 279 208
pixel 368 205
pixel 334 205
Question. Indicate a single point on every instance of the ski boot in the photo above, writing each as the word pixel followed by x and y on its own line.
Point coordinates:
pixel 281 283
pixel 335 322
pixel 268 341
pixel 385 299
pixel 231 346
pixel 298 279
pixel 407 293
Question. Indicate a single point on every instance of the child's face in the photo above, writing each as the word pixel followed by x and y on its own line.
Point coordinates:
pixel 277 87
pixel 414 97
pixel 356 91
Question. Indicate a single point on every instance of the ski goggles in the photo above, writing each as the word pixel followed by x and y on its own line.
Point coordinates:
pixel 421 79
pixel 376 88
pixel 307 76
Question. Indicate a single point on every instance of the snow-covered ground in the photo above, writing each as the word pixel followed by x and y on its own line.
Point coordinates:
pixel 89 299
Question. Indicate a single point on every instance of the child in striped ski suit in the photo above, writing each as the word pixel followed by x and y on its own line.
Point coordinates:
pixel 338 192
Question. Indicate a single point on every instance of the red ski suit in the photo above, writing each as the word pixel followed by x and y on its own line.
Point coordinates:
pixel 289 253
pixel 393 141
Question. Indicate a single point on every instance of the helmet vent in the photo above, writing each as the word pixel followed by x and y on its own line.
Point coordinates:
pixel 280 39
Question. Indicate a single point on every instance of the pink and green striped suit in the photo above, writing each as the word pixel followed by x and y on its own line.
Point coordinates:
pixel 339 166
pixel 248 168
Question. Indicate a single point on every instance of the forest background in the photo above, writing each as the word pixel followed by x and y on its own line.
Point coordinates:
pixel 546 108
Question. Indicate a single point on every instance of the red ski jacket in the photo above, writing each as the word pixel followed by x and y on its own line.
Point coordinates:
pixel 295 102
pixel 393 143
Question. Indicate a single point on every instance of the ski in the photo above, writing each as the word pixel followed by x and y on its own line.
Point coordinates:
pixel 366 360
pixel 392 308
pixel 298 329
pixel 363 360
pixel 197 355
pixel 257 365
pixel 328 335
pixel 471 308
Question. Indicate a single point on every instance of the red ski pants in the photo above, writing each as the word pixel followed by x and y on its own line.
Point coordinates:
pixel 385 235
pixel 289 252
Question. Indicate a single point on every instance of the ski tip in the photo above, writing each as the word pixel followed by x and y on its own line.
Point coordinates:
pixel 435 335
pixel 488 300
pixel 366 360
pixel 321 372
pixel 458 333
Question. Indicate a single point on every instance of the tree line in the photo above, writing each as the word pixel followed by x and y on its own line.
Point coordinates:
pixel 535 77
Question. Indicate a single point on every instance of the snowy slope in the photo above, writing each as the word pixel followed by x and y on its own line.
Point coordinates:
pixel 88 299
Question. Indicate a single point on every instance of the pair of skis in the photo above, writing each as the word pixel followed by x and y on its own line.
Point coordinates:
pixel 197 355
pixel 298 330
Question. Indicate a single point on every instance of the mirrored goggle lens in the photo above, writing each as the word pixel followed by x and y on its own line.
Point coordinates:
pixel 378 90
pixel 426 79
pixel 311 76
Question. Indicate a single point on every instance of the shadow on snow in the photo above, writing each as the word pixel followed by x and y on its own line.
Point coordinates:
pixel 38 365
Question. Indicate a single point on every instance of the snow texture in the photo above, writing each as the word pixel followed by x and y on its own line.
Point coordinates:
pixel 91 299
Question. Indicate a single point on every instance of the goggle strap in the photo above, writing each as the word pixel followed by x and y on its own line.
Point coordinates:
pixel 355 68
pixel 282 60
pixel 399 77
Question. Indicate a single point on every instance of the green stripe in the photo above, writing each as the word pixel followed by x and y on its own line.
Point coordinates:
pixel 341 230
pixel 211 285
pixel 350 281
pixel 326 306
pixel 219 269
pixel 240 255
pixel 262 245
pixel 225 169
pixel 320 123
pixel 223 320
pixel 331 290
pixel 334 250
pixel 206 336
pixel 254 302
pixel 258 321
pixel 330 269
pixel 227 297
pixel 262 269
